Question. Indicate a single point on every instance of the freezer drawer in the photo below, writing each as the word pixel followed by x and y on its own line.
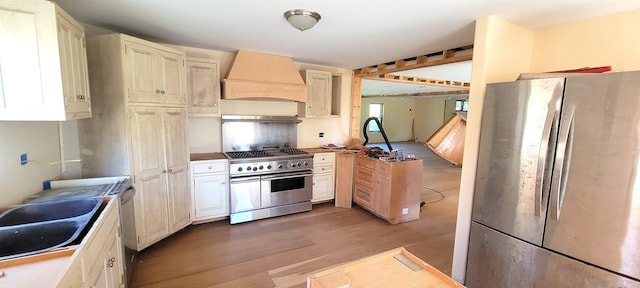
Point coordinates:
pixel 498 260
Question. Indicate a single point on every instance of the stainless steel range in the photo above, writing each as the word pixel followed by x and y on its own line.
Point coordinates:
pixel 268 175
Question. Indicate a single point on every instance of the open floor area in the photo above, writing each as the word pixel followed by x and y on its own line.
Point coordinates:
pixel 282 251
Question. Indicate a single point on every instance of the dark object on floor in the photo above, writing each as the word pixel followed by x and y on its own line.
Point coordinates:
pixel 422 204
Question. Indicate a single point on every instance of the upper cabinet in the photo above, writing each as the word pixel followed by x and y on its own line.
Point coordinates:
pixel 154 75
pixel 43 63
pixel 203 87
pixel 323 94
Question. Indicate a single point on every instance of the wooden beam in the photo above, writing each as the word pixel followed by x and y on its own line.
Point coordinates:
pixel 459 54
pixel 421 94
pixel 356 101
pixel 419 81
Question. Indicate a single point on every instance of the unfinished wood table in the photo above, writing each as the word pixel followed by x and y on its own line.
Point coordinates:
pixel 395 268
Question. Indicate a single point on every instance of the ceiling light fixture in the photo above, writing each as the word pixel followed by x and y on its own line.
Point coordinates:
pixel 302 19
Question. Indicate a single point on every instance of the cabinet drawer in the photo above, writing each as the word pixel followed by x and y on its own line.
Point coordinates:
pixel 323 158
pixel 367 162
pixel 364 176
pixel 322 168
pixel 364 196
pixel 383 168
pixel 209 166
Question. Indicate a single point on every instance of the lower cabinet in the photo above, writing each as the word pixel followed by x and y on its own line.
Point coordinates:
pixel 323 177
pixel 210 188
pixel 390 190
pixel 99 261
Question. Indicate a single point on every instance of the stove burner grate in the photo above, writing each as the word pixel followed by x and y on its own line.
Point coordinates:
pixel 248 154
pixel 293 151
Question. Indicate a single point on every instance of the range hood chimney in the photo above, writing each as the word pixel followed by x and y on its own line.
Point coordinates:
pixel 259 76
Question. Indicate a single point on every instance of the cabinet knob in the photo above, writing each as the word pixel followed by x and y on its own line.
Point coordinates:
pixel 162 92
pixel 164 171
pixel 209 167
pixel 170 170
pixel 157 91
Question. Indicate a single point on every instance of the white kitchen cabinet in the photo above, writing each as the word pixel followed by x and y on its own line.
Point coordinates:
pixel 203 87
pixel 158 144
pixel 102 255
pixel 43 71
pixel 154 75
pixel 210 187
pixel 323 177
pixel 320 94
pixel 136 132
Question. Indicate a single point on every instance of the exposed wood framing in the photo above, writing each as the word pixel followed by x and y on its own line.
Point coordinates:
pixel 419 81
pixel 459 54
pixel 434 93
pixel 356 101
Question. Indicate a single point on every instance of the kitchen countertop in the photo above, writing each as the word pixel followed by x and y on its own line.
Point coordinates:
pixel 50 266
pixel 207 156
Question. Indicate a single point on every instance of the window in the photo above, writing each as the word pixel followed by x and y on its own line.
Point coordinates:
pixel 375 110
pixel 462 105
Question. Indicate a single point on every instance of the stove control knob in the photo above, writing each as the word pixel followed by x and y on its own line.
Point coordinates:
pixel 305 163
pixel 255 168
pixel 293 165
pixel 298 164
pixel 239 169
pixel 248 168
pixel 269 166
pixel 279 166
pixel 261 167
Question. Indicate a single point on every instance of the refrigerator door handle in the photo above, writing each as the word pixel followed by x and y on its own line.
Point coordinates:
pixel 562 161
pixel 550 121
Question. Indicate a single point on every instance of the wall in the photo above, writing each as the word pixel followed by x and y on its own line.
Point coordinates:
pixel 503 50
pixel 205 132
pixel 429 115
pixel 41 143
pixel 397 118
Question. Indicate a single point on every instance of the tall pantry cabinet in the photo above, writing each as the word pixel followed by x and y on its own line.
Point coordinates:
pixel 139 127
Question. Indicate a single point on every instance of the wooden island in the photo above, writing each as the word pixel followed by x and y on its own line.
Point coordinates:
pixel 390 190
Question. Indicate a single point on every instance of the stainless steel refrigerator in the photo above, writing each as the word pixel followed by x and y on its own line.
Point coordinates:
pixel 557 195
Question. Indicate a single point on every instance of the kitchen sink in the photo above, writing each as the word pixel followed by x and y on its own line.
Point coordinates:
pixel 34 228
pixel 22 240
pixel 49 211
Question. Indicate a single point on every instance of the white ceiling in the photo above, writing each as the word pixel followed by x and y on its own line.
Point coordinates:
pixel 351 34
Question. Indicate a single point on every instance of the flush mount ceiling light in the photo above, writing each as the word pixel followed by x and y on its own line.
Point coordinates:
pixel 302 19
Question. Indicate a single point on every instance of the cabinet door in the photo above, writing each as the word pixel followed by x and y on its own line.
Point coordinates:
pixel 140 72
pixel 211 196
pixel 381 203
pixel 319 85
pixel 73 61
pixel 113 262
pixel 170 77
pixel 323 187
pixel 203 77
pixel 30 75
pixel 151 209
pixel 149 175
pixel 174 124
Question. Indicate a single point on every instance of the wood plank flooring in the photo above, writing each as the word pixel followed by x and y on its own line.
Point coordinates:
pixel 282 251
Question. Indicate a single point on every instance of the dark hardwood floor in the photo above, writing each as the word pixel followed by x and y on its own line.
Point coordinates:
pixel 282 251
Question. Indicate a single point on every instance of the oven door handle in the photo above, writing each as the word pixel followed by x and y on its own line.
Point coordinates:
pixel 244 180
pixel 287 176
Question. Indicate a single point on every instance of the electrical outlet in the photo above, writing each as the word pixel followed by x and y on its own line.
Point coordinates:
pixel 405 211
pixel 321 134
pixel 23 159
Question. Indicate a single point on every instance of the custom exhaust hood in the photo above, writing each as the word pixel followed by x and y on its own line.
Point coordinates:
pixel 259 76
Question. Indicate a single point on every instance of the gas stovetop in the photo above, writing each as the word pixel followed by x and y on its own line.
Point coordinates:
pixel 282 152
pixel 267 161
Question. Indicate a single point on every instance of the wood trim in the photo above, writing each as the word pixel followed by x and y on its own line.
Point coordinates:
pixel 463 53
pixel 428 94
pixel 419 81
pixel 356 102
